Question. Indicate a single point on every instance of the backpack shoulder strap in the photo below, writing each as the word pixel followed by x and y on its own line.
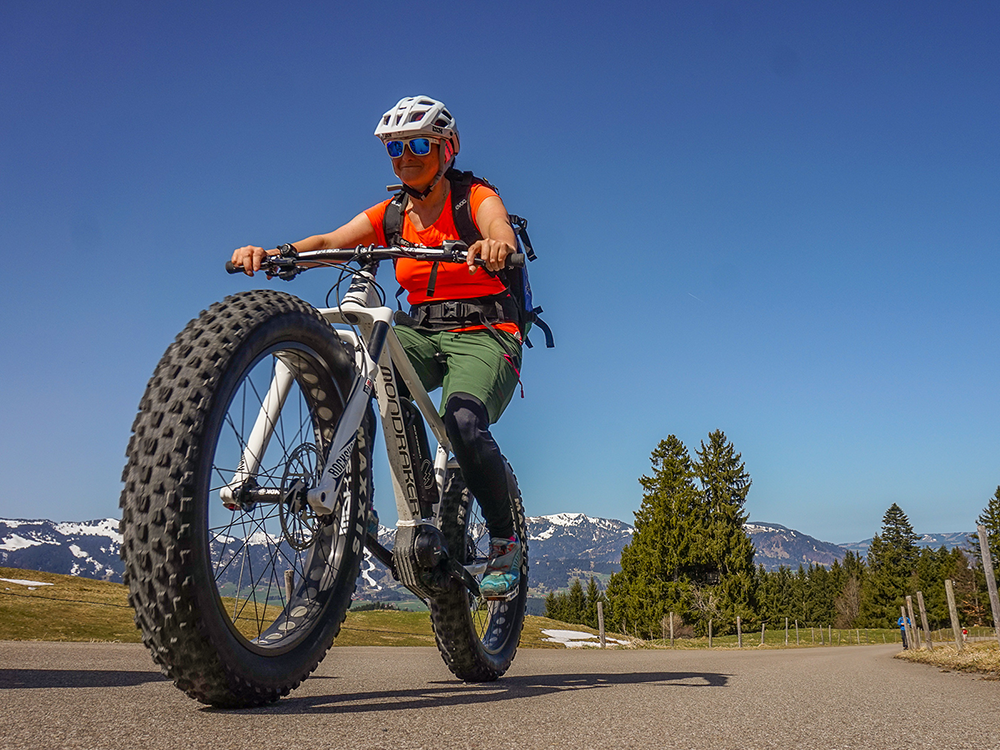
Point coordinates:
pixel 461 207
pixel 392 220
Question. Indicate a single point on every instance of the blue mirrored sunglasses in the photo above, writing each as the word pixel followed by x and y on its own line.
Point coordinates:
pixel 418 147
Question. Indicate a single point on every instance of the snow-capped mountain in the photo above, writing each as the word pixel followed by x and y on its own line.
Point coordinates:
pixel 562 547
pixel 88 549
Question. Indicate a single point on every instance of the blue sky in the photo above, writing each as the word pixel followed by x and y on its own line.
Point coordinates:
pixel 775 219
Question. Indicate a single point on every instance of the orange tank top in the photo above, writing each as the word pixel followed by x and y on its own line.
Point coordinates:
pixel 453 281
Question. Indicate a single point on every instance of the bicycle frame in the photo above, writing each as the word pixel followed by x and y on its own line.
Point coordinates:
pixel 379 356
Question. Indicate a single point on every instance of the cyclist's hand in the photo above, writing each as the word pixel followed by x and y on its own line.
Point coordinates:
pixel 492 252
pixel 249 258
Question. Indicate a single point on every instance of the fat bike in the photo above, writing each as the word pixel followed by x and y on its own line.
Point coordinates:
pixel 248 491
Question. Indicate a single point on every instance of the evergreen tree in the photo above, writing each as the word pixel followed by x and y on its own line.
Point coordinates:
pixel 990 518
pixel 656 569
pixel 555 606
pixel 594 595
pixel 575 603
pixel 971 607
pixel 892 561
pixel 725 557
pixel 848 601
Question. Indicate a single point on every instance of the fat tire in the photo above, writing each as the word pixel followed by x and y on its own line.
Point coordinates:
pixel 477 638
pixel 171 500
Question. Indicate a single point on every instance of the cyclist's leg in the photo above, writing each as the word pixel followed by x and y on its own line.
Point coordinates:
pixel 423 353
pixel 479 381
pixel 478 455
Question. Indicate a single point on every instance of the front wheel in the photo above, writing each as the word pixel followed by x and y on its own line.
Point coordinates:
pixel 477 637
pixel 239 588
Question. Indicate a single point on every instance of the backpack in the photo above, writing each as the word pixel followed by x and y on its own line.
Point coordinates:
pixel 522 310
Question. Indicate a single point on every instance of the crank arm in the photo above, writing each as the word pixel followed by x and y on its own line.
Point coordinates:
pixel 458 571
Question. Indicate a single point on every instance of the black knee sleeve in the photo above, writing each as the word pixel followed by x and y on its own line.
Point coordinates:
pixel 468 425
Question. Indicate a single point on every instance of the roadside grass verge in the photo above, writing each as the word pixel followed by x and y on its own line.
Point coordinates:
pixel 982 658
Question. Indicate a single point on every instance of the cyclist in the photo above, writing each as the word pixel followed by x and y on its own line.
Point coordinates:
pixel 471 350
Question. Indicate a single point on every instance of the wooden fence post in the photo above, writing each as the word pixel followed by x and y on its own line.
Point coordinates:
pixel 923 620
pixel 762 634
pixel 739 632
pixel 991 581
pixel 600 621
pixel 953 611
pixel 671 630
pixel 710 634
pixel 914 633
pixel 786 631
pixel 796 632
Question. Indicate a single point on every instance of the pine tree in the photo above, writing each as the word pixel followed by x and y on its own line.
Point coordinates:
pixel 554 606
pixel 892 561
pixel 656 570
pixel 593 596
pixel 726 554
pixel 848 601
pixel 575 603
pixel 990 518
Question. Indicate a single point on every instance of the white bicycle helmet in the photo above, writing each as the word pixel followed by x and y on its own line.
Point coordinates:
pixel 419 115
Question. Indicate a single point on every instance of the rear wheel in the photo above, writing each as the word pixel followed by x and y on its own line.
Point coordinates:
pixel 239 594
pixel 477 637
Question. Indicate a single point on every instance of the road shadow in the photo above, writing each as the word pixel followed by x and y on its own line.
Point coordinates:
pixel 457 693
pixel 22 679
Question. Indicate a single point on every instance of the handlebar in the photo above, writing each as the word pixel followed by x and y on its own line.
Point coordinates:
pixel 290 262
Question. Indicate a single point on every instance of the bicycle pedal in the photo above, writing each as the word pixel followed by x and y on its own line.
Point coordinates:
pixel 509 596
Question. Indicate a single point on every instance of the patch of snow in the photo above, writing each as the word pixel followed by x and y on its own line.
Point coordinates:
pixel 15 524
pixel 21 582
pixel 367 570
pixel 107 527
pixel 77 552
pixel 263 538
pixel 16 542
pixel 575 638
pixel 566 519
pixel 547 534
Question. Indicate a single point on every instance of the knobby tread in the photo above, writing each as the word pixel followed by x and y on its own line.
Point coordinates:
pixel 452 617
pixel 161 507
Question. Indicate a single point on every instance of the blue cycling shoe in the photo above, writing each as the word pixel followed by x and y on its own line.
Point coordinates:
pixel 503 571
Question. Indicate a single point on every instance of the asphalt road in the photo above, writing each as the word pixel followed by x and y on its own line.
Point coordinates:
pixel 98 696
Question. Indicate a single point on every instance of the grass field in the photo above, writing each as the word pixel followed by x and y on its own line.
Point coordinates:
pixel 81 609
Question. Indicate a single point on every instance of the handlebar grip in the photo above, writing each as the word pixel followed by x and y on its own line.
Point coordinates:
pixel 230 268
pixel 515 260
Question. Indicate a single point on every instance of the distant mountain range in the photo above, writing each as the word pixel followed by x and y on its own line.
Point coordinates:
pixel 563 547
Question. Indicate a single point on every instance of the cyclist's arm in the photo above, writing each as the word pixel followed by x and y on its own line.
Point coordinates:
pixel 498 236
pixel 358 231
